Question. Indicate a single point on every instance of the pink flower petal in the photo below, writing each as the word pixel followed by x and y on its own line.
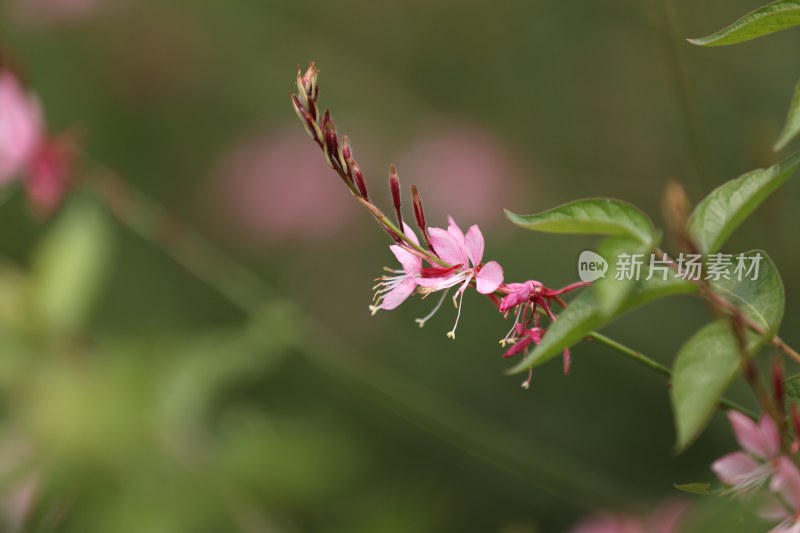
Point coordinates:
pixel 735 468
pixel 412 265
pixel 786 481
pixel 454 230
pixel 447 247
pixel 410 233
pixel 750 436
pixel 399 294
pixel 771 436
pixel 489 278
pixel 21 126
pixel 473 242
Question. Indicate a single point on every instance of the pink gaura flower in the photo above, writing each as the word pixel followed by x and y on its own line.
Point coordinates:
pixel 526 298
pixel 48 178
pixel 25 150
pixel 785 483
pixel 465 253
pixel 392 290
pixel 666 518
pixel 21 127
pixel 761 444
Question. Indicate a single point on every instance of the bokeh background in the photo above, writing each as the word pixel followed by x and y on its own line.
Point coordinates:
pixel 139 396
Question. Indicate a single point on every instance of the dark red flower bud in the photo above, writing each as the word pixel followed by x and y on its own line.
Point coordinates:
pixel 796 425
pixel 308 121
pixel 394 186
pixel 331 139
pixel 358 178
pixel 778 387
pixel 419 214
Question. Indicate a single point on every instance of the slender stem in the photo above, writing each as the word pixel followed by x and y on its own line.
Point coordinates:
pixel 632 354
pixel 658 368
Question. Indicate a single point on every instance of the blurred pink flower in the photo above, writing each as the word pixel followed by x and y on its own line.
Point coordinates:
pixel 49 12
pixel 666 518
pixel 786 483
pixel 761 445
pixel 275 188
pixel 465 172
pixel 21 126
pixel 25 151
pixel 48 177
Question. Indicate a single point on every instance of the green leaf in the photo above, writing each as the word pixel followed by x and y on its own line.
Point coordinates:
pixel 704 368
pixel 762 299
pixel 611 292
pixel 603 216
pixel 69 266
pixel 792 126
pixel 721 212
pixel 585 314
pixel 792 386
pixel 695 488
pixel 763 21
pixel 710 360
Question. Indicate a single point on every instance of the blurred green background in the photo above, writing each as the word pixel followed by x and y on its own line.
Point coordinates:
pixel 135 397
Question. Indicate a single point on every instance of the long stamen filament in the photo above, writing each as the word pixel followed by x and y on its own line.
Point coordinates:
pixel 460 293
pixel 421 321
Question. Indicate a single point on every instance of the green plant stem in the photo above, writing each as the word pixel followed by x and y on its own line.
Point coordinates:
pixel 658 368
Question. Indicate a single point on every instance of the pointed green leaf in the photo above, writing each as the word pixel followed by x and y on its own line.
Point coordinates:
pixel 763 21
pixel 710 360
pixel 596 216
pixel 695 488
pixel 69 266
pixel 584 315
pixel 611 292
pixel 792 126
pixel 721 212
pixel 704 368
pixel 761 299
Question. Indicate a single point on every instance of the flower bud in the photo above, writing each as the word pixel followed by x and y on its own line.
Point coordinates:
pixel 331 139
pixel 308 122
pixel 48 179
pixel 778 387
pixel 419 214
pixel 394 186
pixel 795 412
pixel 21 126
pixel 358 178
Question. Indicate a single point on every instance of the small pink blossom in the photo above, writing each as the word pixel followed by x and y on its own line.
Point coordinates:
pixel 526 298
pixel 25 150
pixel 786 483
pixel 48 177
pixel 761 444
pixel 464 251
pixel 21 127
pixel 393 290
pixel 665 518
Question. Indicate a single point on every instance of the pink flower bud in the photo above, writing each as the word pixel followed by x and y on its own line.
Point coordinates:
pixel 48 177
pixel 394 186
pixel 21 127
